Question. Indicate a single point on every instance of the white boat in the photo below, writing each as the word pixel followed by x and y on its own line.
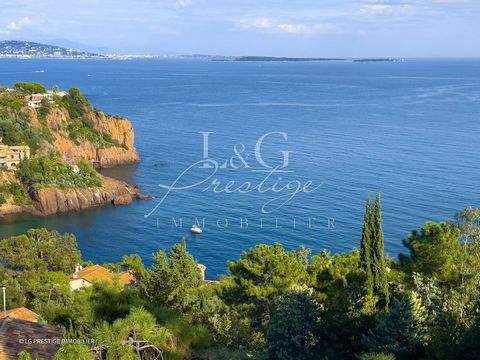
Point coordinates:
pixel 195 229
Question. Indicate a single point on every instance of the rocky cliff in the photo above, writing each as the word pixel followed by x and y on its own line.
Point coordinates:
pixel 51 201
pixel 70 126
pixel 118 129
pixel 54 201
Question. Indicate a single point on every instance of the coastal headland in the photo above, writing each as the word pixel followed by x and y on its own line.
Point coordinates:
pixel 51 143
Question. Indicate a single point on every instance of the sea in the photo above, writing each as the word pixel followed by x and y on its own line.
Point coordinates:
pixel 266 152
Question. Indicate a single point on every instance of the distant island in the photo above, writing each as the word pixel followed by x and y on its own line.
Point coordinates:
pixel 378 60
pixel 29 49
pixel 273 58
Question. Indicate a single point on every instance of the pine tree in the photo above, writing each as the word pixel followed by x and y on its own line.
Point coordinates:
pixel 380 279
pixel 366 247
pixel 402 331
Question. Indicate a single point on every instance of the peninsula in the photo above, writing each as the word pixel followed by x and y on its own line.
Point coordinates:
pixel 29 49
pixel 50 144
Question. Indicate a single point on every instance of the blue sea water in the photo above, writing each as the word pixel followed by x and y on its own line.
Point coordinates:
pixel 409 130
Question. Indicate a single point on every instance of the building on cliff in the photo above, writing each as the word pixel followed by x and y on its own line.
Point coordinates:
pixel 10 156
pixel 35 100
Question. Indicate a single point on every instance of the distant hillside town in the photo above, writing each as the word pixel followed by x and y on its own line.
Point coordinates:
pixel 28 49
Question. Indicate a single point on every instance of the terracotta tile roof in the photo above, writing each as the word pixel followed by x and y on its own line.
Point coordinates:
pixel 127 278
pixel 16 335
pixel 94 272
pixel 20 313
pixel 98 273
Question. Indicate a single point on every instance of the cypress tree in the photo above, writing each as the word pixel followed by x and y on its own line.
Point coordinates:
pixel 366 246
pixel 380 280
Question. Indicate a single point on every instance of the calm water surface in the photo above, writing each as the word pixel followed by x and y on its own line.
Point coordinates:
pixel 409 130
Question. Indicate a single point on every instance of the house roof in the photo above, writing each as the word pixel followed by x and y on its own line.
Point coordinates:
pixel 98 273
pixel 127 277
pixel 21 313
pixel 18 335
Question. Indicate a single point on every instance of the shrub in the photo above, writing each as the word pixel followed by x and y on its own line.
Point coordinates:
pixel 51 171
pixel 29 88
pixel 15 129
pixel 20 195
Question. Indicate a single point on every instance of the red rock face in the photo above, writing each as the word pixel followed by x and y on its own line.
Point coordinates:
pixel 119 129
pixel 113 192
pixel 55 201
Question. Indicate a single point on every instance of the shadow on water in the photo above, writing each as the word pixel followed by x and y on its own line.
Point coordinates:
pixel 123 172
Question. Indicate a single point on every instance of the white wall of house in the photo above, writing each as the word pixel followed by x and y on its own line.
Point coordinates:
pixel 76 284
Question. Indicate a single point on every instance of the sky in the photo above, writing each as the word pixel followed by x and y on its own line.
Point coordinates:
pixel 302 28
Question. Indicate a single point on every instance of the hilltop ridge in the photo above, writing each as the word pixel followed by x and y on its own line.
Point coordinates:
pixel 16 48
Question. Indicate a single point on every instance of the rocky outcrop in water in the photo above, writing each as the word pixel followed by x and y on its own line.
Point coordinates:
pixel 55 201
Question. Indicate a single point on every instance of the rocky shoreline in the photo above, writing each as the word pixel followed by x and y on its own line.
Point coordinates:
pixel 106 141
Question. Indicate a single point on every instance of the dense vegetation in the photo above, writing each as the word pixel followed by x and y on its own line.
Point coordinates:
pixel 15 127
pixel 50 171
pixel 273 304
pixel 14 124
pixel 17 191
pixel 81 125
pixel 29 88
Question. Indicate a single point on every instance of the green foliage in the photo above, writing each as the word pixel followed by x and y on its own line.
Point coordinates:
pixel 80 129
pixel 50 171
pixel 81 125
pixel 340 285
pixel 9 100
pixel 137 334
pixel 263 274
pixel 172 277
pixel 24 355
pixel 35 266
pixel 468 347
pixel 379 268
pixel 19 193
pixel 110 301
pixel 372 253
pixel 226 325
pixel 434 252
pixel 134 262
pixel 29 88
pixel 366 246
pixel 40 250
pixel 74 352
pixel 15 293
pixel 294 328
pixel 402 331
pixel 44 109
pixel 76 104
pixel 15 130
pixel 269 305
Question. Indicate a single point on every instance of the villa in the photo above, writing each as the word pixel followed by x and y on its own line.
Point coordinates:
pixel 35 100
pixel 10 156
pixel 83 277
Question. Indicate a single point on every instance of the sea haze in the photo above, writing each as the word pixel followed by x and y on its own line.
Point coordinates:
pixel 409 130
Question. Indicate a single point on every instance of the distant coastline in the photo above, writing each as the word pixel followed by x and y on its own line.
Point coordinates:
pixel 14 49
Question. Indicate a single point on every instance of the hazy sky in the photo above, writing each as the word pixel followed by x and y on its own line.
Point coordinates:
pixel 346 28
